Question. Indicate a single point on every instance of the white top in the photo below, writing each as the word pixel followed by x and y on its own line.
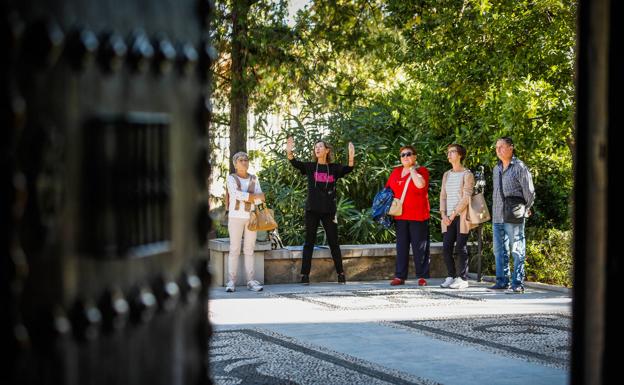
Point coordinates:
pixel 453 190
pixel 240 195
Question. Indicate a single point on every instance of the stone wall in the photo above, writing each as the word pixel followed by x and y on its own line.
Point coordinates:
pixel 361 263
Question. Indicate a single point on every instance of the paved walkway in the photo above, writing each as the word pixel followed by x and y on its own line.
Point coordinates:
pixel 372 333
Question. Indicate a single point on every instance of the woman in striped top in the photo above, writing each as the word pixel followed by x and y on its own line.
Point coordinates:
pixel 457 186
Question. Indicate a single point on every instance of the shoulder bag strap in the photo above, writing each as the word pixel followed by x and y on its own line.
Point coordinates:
pixel 250 189
pixel 466 173
pixel 500 182
pixel 409 179
pixel 238 184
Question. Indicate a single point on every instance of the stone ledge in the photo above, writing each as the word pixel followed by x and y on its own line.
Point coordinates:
pixel 361 262
pixel 348 251
pixel 219 249
pixel 223 245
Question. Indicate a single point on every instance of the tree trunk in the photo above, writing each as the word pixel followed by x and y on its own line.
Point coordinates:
pixel 239 94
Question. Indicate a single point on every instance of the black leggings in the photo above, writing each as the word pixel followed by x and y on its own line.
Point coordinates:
pixel 312 219
pixel 451 238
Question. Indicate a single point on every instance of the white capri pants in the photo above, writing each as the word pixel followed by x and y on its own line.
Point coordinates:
pixel 237 227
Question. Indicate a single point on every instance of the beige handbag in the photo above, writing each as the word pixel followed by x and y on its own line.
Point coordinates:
pixel 261 219
pixel 396 208
pixel 478 211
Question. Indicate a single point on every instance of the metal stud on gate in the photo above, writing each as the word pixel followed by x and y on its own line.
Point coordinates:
pixel 190 285
pixel 115 310
pixel 43 43
pixel 167 293
pixel 81 48
pixel 164 56
pixel 141 51
pixel 187 59
pixel 86 320
pixel 112 52
pixel 143 305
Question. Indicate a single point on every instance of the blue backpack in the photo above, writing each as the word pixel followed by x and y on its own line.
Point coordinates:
pixel 381 205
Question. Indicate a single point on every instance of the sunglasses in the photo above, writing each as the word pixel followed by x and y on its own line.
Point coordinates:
pixel 404 154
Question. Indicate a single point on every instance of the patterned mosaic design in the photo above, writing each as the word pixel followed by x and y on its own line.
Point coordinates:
pixel 542 338
pixel 246 356
pixel 383 299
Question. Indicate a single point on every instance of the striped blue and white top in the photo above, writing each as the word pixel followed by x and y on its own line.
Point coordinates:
pixel 453 190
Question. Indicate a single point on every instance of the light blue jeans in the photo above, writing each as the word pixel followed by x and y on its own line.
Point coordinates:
pixel 509 238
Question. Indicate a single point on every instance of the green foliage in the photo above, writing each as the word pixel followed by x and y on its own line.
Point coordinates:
pixel 549 256
pixel 265 41
pixel 287 189
pixel 482 69
pixel 423 72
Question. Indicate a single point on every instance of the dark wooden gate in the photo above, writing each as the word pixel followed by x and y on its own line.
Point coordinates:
pixel 105 116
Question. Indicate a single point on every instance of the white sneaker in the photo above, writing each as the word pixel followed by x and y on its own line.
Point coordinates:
pixel 230 287
pixel 254 285
pixel 458 283
pixel 447 282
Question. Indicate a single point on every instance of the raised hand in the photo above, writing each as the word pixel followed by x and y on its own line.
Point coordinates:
pixel 351 150
pixel 290 144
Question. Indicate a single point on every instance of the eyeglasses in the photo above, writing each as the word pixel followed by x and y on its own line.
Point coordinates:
pixel 243 159
pixel 404 154
pixel 451 152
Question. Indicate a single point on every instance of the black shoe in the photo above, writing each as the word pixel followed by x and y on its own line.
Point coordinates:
pixel 342 279
pixel 498 287
pixel 305 279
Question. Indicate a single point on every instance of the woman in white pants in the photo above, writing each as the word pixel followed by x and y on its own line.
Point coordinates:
pixel 244 191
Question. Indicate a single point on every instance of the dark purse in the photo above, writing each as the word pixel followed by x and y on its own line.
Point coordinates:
pixel 514 208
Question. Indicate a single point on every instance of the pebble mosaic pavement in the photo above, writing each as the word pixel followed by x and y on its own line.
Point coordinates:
pixel 543 338
pixel 256 355
pixel 252 356
pixel 380 298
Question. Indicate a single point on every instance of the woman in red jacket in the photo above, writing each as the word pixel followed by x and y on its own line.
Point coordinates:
pixel 412 226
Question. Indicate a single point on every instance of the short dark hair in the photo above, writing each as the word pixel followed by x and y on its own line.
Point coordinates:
pixel 461 150
pixel 506 139
pixel 408 147
pixel 509 142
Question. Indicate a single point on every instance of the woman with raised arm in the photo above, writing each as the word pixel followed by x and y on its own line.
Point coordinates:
pixel 320 207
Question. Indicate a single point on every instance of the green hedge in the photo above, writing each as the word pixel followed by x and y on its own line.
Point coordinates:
pixel 548 255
